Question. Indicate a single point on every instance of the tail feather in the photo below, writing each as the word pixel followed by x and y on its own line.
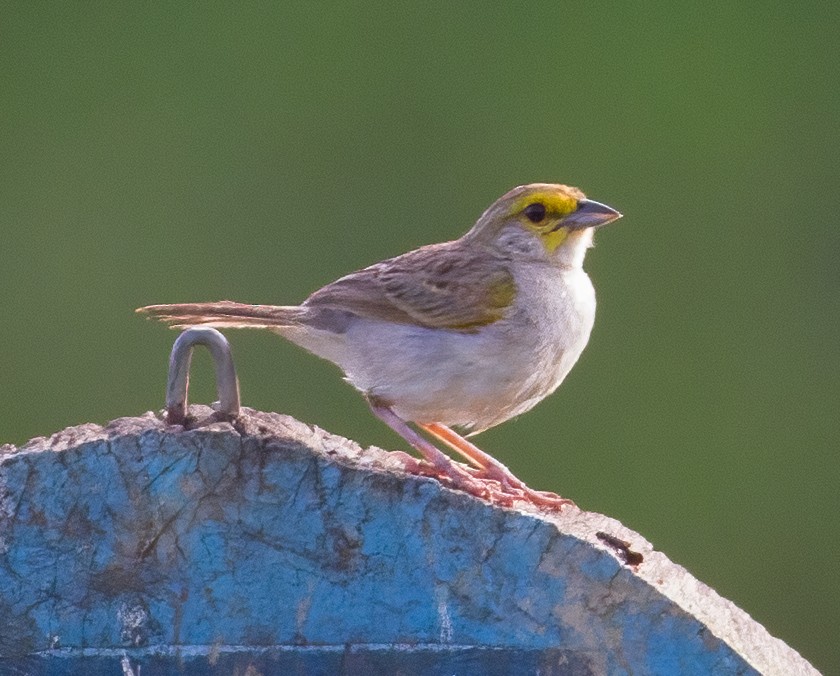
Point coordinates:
pixel 223 314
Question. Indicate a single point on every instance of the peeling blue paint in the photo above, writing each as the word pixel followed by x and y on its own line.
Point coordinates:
pixel 155 538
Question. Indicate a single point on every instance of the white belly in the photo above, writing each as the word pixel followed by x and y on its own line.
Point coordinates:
pixel 473 380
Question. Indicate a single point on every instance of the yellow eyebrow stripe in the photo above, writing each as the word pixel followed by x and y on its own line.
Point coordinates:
pixel 556 204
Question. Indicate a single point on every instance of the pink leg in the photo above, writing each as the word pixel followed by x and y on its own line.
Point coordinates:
pixel 443 466
pixel 492 468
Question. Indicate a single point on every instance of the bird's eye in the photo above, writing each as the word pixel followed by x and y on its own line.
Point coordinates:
pixel 535 212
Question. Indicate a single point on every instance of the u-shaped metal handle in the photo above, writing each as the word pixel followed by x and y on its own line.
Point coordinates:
pixel 227 384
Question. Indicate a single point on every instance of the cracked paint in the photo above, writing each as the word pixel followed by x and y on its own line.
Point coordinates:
pixel 272 533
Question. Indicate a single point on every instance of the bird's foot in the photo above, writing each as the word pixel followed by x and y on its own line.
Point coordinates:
pixel 490 481
pixel 451 474
pixel 508 488
pixel 516 489
pixel 483 484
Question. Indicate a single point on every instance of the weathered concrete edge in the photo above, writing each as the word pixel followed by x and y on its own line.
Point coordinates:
pixel 722 618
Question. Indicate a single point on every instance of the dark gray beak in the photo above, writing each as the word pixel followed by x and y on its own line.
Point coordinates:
pixel 590 214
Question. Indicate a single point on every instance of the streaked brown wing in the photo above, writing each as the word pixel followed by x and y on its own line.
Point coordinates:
pixel 437 286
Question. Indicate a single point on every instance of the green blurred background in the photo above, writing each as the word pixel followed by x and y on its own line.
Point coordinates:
pixel 198 151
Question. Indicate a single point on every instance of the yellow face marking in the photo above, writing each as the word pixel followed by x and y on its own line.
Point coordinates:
pixel 551 240
pixel 557 206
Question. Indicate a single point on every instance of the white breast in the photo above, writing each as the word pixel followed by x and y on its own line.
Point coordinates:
pixel 561 318
pixel 473 380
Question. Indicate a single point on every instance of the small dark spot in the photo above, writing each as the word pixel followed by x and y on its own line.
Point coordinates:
pixel 115 579
pixel 444 267
pixel 622 548
pixel 535 212
pixel 347 549
pixel 190 422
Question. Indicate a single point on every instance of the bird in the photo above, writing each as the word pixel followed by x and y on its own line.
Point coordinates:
pixel 460 335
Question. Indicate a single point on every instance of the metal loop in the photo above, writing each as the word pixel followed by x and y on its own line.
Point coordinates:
pixel 227 384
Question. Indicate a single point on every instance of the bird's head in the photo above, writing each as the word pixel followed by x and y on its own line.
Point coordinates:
pixel 542 221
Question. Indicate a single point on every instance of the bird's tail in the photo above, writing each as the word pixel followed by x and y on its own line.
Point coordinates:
pixel 223 314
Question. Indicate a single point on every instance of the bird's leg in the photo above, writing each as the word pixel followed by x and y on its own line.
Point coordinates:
pixel 441 463
pixel 492 468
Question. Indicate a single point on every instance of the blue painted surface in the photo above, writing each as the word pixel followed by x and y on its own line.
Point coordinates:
pixel 315 662
pixel 201 538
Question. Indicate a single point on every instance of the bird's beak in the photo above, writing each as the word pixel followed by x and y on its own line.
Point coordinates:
pixel 590 214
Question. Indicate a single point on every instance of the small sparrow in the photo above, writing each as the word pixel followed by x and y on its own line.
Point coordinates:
pixel 466 334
